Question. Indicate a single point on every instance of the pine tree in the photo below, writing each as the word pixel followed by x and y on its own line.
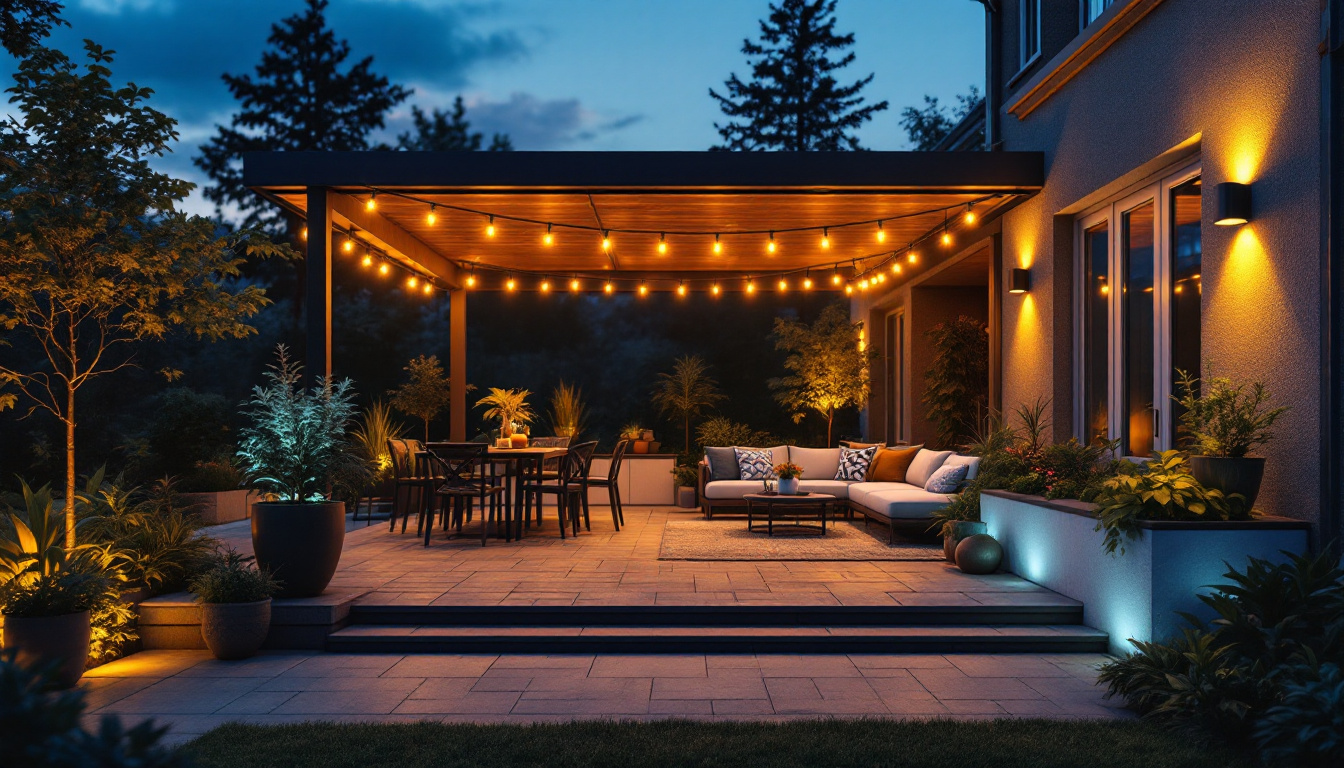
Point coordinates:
pixel 442 131
pixel 301 99
pixel 793 101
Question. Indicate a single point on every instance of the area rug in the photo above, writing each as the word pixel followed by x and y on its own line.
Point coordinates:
pixel 728 539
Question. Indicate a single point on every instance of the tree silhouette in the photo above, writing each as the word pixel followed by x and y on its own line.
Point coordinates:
pixel 687 391
pixel 23 24
pixel 441 131
pixel 302 98
pixel 930 125
pixel 793 101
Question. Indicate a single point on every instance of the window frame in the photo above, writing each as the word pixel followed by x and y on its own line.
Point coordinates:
pixel 1024 59
pixel 1083 21
pixel 1158 191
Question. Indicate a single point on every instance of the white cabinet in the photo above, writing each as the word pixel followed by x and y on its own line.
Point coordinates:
pixel 644 480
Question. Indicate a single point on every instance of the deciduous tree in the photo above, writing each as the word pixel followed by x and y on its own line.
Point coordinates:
pixel 441 131
pixel 793 100
pixel 829 362
pixel 94 255
pixel 24 23
pixel 426 391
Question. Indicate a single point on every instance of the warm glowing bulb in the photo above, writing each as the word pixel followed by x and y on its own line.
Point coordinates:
pixel 303 233
pixel 367 260
pixel 574 285
pixel 382 268
pixel 895 268
pixel 606 243
pixel 1177 289
pixel 825 239
pixel 431 218
pixel 1105 289
pixel 947 238
pixel 849 290
pixel 751 286
pixel 608 288
pixel 545 286
pixel 662 245
pixel 714 289
pixel 681 289
pixel 510 284
pixel 411 282
pixel 881 233
pixel 548 239
pixel 370 204
pixel 881 278
pixel 835 278
pixel 783 285
pixel 643 290
pixel 718 247
pixel 428 289
pixel 912 258
pixel 807 283
pixel 490 227
pixel 471 281
pixel 863 284
pixel 970 216
pixel 348 246
pixel 770 246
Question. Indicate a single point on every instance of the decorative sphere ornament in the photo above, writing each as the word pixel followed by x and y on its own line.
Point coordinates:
pixel 979 554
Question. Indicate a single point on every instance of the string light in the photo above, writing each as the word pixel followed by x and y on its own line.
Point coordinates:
pixel 608 288
pixel 606 240
pixel 662 244
pixel 643 288
pixel 574 285
pixel 681 288
pixel 411 282
pixel 881 233
pixel 545 286
pixel 303 234
pixel 510 284
pixel 825 237
pixel 349 244
pixel 367 261
pixel 770 246
pixel 895 267
pixel 371 203
pixel 382 268
pixel 849 290
pixel 783 285
pixel 912 257
pixel 807 281
pixel 863 284
pixel 431 218
pixel 548 238
pixel 751 285
pixel 490 227
pixel 718 247
pixel 970 215
pixel 471 278
pixel 947 236
pixel 835 276
pixel 714 289
pixel 428 289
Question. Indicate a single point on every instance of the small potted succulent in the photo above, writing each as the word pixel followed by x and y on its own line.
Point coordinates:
pixel 47 620
pixel 686 477
pixel 235 599
pixel 788 478
pixel 294 450
pixel 1223 422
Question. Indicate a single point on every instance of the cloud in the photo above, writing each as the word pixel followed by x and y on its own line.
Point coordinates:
pixel 534 123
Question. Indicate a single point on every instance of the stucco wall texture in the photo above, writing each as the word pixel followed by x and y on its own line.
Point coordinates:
pixel 1244 75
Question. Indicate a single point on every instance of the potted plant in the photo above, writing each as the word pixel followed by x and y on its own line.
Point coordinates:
pixel 47 620
pixel 635 434
pixel 235 600
pixel 292 449
pixel 788 473
pixel 686 478
pixel 1223 422
pixel 510 407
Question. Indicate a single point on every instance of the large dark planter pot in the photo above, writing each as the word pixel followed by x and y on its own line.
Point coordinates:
pixel 1230 475
pixel 235 630
pixel 960 530
pixel 59 640
pixel 300 544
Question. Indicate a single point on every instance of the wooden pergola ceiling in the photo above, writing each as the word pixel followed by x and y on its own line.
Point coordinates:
pixel 639 197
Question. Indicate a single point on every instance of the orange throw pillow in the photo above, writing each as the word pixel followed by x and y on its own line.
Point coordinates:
pixel 890 464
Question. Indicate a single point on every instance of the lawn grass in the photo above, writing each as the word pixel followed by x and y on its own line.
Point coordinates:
pixel 917 744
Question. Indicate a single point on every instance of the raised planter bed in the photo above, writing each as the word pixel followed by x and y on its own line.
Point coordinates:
pixel 1138 594
pixel 219 507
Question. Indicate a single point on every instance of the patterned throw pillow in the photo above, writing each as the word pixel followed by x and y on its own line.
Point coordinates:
pixel 755 465
pixel 947 478
pixel 854 463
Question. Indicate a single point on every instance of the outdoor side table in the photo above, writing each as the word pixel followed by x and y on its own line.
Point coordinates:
pixel 795 507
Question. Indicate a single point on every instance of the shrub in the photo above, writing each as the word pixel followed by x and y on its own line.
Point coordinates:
pixel 233 579
pixel 56 594
pixel 1225 419
pixel 159 539
pixel 1266 668
pixel 186 427
pixel 719 431
pixel 956 384
pixel 569 414
pixel 211 476
pixel 685 476
pixel 1163 490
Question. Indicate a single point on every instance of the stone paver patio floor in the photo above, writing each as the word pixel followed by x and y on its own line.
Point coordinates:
pixel 194 693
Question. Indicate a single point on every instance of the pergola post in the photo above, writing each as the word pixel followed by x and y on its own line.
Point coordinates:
pixel 317 276
pixel 457 364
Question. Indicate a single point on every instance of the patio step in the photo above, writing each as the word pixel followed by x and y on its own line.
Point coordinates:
pixel 941 639
pixel 1047 609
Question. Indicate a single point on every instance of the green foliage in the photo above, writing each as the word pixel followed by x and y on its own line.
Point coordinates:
pixel 212 476
pixel 426 393
pixel 43 726
pixel 303 97
pixel 509 406
pixel 1220 418
pixel 55 594
pixel 232 578
pixel 569 415
pixel 442 131
pixel 687 391
pixel 719 431
pixel 956 383
pixel 930 125
pixel 24 24
pixel 160 541
pixel 32 543
pixel 1163 490
pixel 296 442
pixel 793 101
pixel 1266 667
pixel 685 476
pixel 829 365
pixel 370 439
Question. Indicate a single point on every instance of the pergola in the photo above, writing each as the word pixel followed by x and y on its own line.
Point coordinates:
pixel 627 221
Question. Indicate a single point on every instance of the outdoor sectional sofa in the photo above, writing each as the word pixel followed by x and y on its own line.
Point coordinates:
pixel 885 502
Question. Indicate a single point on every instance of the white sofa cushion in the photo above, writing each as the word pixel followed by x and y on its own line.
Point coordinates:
pixel 901 504
pixel 924 465
pixel 734 490
pixel 837 488
pixel 817 463
pixel 972 463
pixel 859 492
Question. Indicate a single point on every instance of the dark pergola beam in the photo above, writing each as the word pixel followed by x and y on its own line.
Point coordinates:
pixel 350 211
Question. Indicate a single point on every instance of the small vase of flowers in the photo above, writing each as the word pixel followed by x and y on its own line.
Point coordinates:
pixel 788 478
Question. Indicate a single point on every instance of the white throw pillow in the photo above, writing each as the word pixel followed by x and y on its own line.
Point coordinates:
pixel 816 463
pixel 925 464
pixel 947 479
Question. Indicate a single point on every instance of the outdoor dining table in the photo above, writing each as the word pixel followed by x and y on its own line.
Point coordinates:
pixel 521 461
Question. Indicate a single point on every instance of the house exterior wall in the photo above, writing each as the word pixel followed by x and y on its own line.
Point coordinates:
pixel 1238 83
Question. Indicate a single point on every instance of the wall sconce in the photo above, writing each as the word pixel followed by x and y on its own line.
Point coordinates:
pixel 1234 204
pixel 1019 281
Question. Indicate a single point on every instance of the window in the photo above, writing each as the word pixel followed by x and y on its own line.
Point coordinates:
pixel 1029 41
pixel 1138 309
pixel 1094 8
pixel 895 354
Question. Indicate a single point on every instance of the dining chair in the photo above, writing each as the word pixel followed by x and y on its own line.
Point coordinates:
pixel 407 482
pixel 567 491
pixel 466 476
pixel 609 483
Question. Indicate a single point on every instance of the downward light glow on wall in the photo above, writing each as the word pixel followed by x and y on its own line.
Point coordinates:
pixel 1019 281
pixel 1234 204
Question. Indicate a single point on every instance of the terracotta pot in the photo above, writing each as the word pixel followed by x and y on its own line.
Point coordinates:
pixel 639 446
pixel 1229 475
pixel 235 630
pixel 961 529
pixel 300 544
pixel 686 497
pixel 62 641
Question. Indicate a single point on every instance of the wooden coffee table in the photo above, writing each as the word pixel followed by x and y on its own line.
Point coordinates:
pixel 797 507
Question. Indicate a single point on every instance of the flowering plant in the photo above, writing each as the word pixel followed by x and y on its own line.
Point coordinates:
pixel 788 470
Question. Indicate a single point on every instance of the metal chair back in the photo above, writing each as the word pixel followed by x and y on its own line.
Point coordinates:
pixel 617 455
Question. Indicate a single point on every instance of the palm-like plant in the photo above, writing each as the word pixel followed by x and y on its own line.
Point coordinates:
pixel 370 437
pixel 568 412
pixel 687 391
pixel 509 406
pixel 35 544
pixel 296 443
